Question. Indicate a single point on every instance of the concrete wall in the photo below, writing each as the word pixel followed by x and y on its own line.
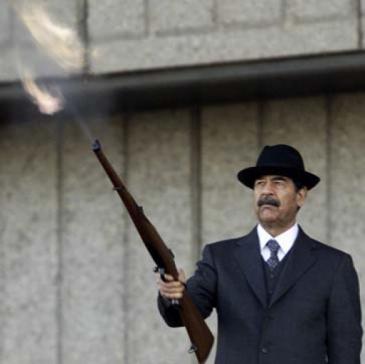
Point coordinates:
pixel 76 283
pixel 148 34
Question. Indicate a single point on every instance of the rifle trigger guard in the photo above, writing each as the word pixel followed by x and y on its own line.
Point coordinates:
pixel 192 349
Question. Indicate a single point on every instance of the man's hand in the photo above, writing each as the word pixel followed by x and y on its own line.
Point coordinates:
pixel 171 289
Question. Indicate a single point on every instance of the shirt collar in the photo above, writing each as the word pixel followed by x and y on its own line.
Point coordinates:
pixel 285 239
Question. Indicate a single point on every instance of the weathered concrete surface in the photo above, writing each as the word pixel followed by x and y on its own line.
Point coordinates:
pixel 171 16
pixel 29 249
pixel 93 249
pixel 8 70
pixel 158 140
pixel 188 33
pixel 141 35
pixel 203 48
pixel 362 25
pixel 307 10
pixel 116 19
pixel 303 124
pixel 5 23
pixel 229 143
pixel 242 12
pixel 347 176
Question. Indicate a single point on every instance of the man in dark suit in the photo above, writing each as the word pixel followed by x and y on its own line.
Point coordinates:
pixel 281 297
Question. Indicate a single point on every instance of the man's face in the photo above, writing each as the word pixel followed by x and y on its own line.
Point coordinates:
pixel 277 200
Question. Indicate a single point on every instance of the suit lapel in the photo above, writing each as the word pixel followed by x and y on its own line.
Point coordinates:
pixel 300 260
pixel 248 258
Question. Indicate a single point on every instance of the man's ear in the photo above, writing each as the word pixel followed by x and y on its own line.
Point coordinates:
pixel 301 196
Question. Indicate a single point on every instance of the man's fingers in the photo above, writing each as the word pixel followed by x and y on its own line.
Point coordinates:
pixel 182 276
pixel 168 278
pixel 170 288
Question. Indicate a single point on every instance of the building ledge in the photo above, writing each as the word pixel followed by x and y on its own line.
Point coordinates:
pixel 180 87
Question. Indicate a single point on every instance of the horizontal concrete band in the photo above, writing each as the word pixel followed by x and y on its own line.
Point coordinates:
pixel 209 84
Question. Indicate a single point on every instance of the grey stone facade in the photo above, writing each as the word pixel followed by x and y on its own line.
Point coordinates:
pixel 77 284
pixel 149 34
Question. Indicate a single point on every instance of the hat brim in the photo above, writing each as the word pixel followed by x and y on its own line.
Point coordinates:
pixel 249 175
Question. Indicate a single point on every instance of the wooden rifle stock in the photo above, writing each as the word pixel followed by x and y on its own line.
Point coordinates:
pixel 198 331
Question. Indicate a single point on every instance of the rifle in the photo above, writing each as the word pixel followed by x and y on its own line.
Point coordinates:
pixel 198 331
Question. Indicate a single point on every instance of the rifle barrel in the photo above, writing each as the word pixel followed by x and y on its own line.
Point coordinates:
pixel 201 337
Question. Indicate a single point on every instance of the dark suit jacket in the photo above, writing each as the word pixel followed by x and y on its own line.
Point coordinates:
pixel 314 315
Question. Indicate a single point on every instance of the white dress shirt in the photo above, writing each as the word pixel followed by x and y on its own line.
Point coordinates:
pixel 285 240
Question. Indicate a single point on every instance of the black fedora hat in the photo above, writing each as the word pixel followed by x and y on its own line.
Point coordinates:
pixel 280 159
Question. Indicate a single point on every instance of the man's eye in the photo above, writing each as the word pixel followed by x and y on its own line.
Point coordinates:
pixel 279 182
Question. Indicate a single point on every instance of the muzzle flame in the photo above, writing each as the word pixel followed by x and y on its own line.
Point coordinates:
pixel 47 102
pixel 61 43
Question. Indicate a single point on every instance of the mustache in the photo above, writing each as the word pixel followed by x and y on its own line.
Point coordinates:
pixel 268 200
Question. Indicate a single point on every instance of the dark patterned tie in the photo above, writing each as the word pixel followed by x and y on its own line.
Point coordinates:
pixel 273 261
